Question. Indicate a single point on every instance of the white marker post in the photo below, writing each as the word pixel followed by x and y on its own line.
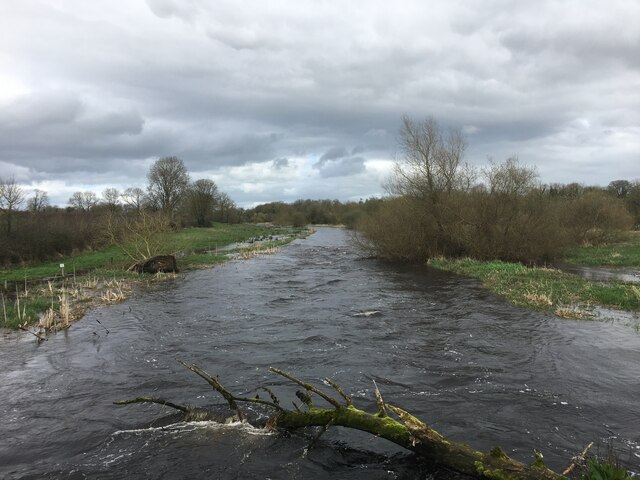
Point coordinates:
pixel 62 268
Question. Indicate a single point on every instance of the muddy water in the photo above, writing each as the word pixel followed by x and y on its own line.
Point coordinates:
pixel 474 367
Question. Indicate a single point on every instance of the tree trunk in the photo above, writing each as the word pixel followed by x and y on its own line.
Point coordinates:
pixel 407 431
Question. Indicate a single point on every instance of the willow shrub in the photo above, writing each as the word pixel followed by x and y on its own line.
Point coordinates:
pixel 529 227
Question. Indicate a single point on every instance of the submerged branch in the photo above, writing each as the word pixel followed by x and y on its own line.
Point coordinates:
pixel 408 431
pixel 227 395
pixel 308 387
pixel 159 401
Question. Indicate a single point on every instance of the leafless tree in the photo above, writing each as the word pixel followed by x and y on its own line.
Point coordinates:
pixel 38 202
pixel 225 207
pixel 134 198
pixel 201 202
pixel 139 237
pixel 84 201
pixel 168 182
pixel 510 178
pixel 11 197
pixel 620 188
pixel 432 163
pixel 431 173
pixel 111 198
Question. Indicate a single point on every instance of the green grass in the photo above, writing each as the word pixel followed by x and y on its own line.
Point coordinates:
pixel 606 470
pixel 200 260
pixel 192 240
pixel 108 257
pixel 110 263
pixel 111 259
pixel 625 253
pixel 28 310
pixel 544 288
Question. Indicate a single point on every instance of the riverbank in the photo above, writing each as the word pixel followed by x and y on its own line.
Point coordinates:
pixel 565 294
pixel 50 296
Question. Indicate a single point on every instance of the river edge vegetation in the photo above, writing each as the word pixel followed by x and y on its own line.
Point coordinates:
pixel 388 422
pixel 567 295
pixel 49 297
pixel 503 226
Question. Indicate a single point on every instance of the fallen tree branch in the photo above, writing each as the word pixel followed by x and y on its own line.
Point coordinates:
pixel 408 431
pixel 577 460
pixel 307 386
pixel 153 400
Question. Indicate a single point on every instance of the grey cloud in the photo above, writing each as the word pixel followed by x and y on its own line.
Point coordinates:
pixel 338 162
pixel 185 9
pixel 35 111
pixel 332 154
pixel 115 123
pixel 280 163
pixel 211 82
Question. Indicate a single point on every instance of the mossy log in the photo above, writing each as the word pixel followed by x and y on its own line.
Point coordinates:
pixel 406 431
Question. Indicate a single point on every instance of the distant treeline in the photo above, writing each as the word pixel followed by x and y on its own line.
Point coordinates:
pixel 312 212
pixel 33 230
pixel 442 207
pixel 438 206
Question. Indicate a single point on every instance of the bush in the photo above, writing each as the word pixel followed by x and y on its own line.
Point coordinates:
pixel 440 210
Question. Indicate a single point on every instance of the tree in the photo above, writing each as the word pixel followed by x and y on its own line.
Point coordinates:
pixel 140 237
pixel 389 422
pixel 38 202
pixel 134 197
pixel 432 160
pixel 202 199
pixel 111 198
pixel 226 207
pixel 84 201
pixel 620 188
pixel 168 181
pixel 429 179
pixel 11 197
pixel 632 202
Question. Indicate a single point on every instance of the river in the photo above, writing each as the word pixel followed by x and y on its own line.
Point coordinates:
pixel 464 361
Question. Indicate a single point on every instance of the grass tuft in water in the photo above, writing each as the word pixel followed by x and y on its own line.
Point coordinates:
pixel 606 470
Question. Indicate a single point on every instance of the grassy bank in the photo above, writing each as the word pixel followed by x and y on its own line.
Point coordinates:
pixel 564 294
pixel 625 253
pixel 40 294
pixel 550 289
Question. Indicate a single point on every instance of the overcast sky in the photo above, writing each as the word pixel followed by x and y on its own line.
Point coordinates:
pixel 279 100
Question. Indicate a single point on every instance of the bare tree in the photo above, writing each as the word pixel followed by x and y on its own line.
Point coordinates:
pixel 84 201
pixel 111 198
pixel 225 207
pixel 11 197
pixel 134 198
pixel 510 178
pixel 202 199
pixel 168 181
pixel 38 202
pixel 620 188
pixel 430 177
pixel 139 237
pixel 432 163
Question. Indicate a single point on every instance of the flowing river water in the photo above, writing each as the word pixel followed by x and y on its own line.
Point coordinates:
pixel 466 362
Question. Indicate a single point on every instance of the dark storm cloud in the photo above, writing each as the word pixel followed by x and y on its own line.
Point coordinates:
pixel 224 86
